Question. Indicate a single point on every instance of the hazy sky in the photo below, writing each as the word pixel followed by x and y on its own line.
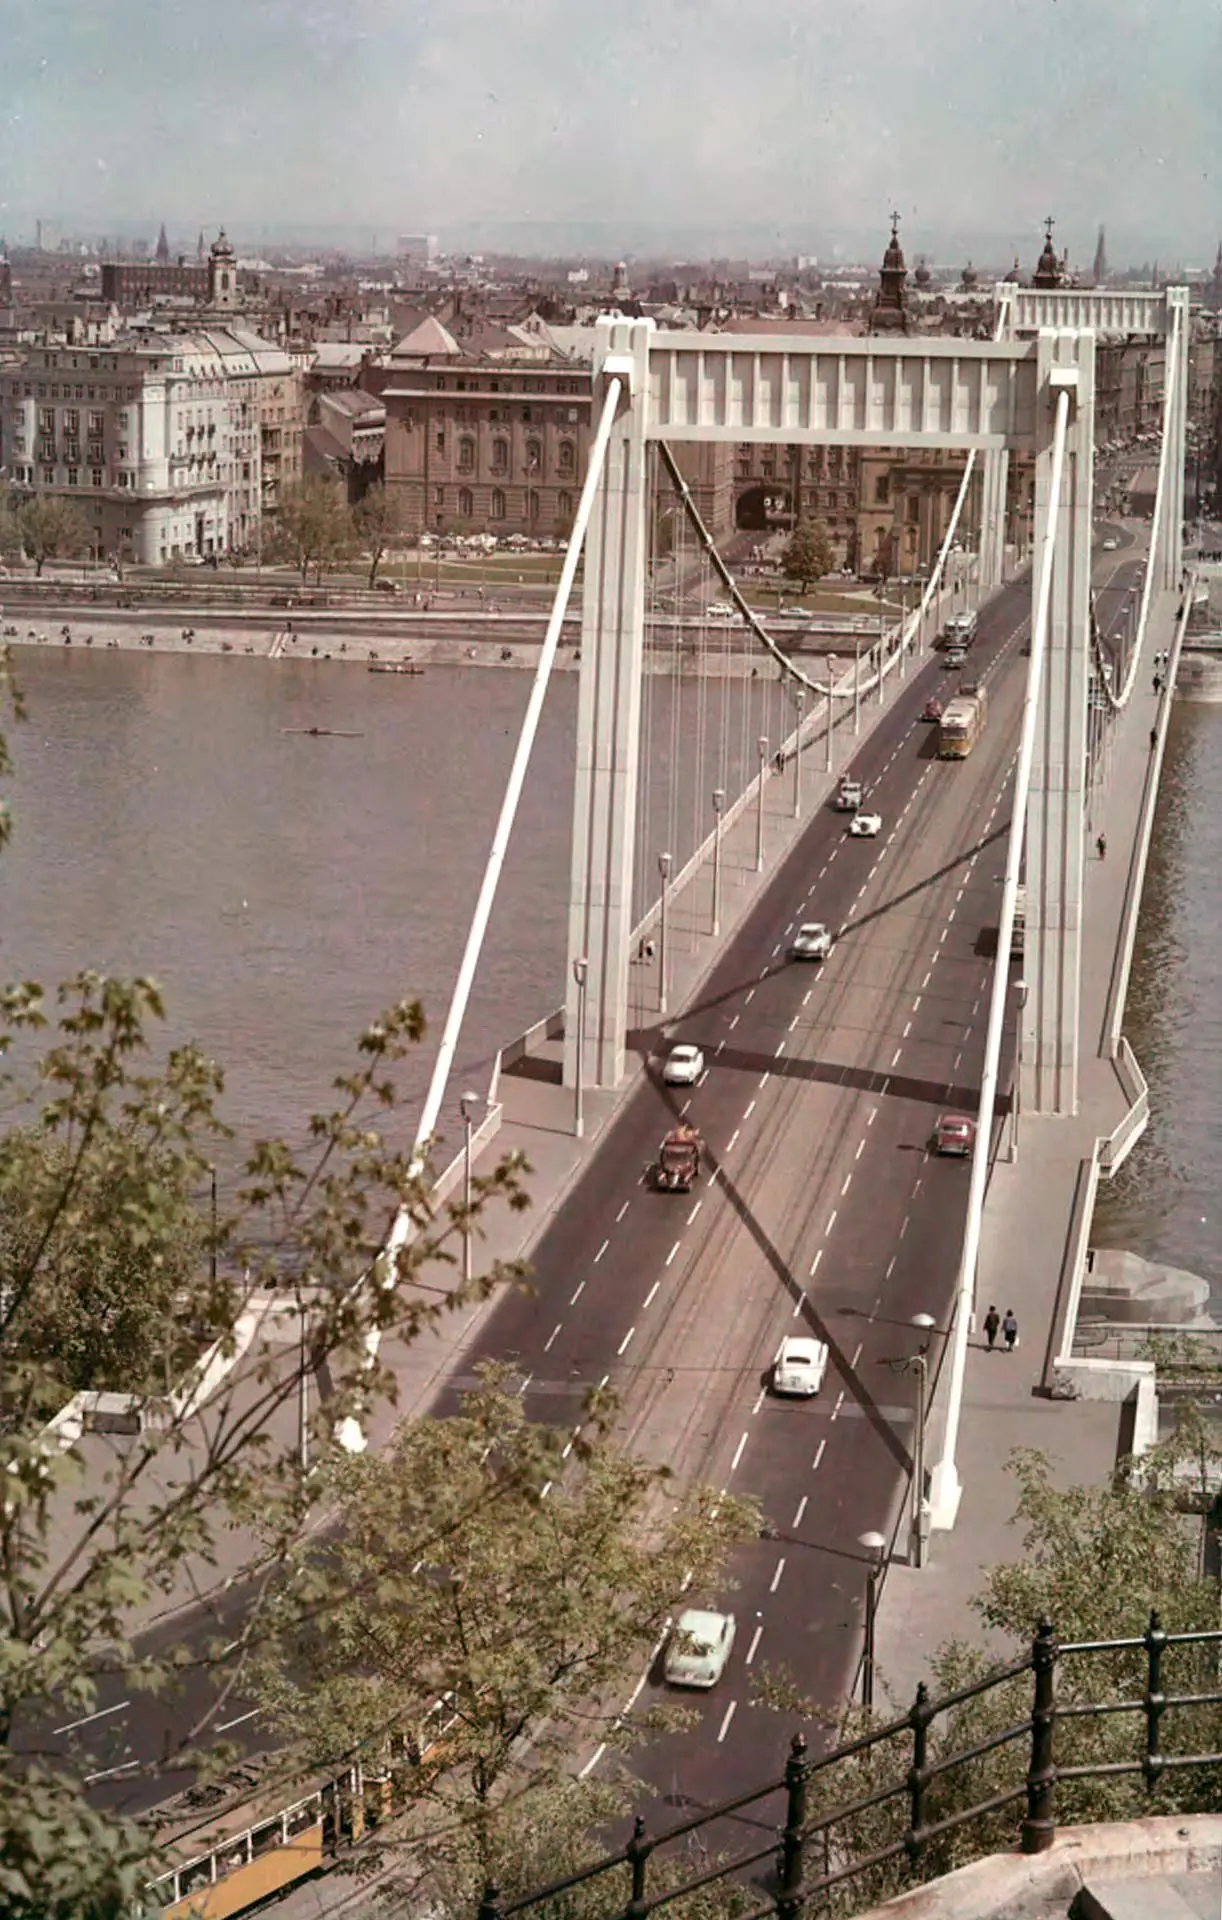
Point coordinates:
pixel 974 117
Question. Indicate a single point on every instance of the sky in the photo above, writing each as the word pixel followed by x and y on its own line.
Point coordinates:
pixel 617 126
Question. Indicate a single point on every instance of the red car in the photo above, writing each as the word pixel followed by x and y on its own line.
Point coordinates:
pixel 955 1134
pixel 932 710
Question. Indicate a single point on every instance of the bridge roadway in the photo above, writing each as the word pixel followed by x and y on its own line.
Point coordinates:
pixel 825 1213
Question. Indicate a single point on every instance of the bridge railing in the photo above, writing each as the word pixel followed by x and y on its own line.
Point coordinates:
pixel 892 1794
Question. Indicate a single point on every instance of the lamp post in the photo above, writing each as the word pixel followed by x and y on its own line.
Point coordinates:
pixel 212 1254
pixel 1020 995
pixel 857 684
pixel 303 1394
pixel 719 801
pixel 876 1547
pixel 664 874
pixel 581 969
pixel 761 746
pixel 925 1324
pixel 799 700
pixel 466 1104
pixel 831 681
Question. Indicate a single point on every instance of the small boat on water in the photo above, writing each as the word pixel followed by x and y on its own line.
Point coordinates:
pixel 394 666
pixel 323 733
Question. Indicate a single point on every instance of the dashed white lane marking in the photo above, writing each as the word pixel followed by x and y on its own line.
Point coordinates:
pixel 872 1116
pixel 650 1296
pixel 91 1717
pixel 720 1045
pixel 793 1023
pixel 814 1265
pixel 598 1256
pixel 806 995
pixel 552 1337
pixel 831 1219
pixel 890 1267
pixel 917 1004
pixel 895 1057
pixel 838 1405
pixel 798 1305
pixel 704 1076
pixel 686 1104
pixel 755 1640
pixel 926 980
pixel 904 1226
pixel 738 1452
pixel 775 951
pixel 695 1210
pixel 764 972
pixel 749 996
pixel 725 1725
pixel 731 1140
pixel 624 1342
pixel 674 1250
pixel 857 1355
pixel 763 1080
pixel 760 1397
pixel 776 1578
pixel 750 1110
pixel 797 1519
pixel 848 1181
pixel 907 1031
pixel 227 1725
pixel 734 1022
pixel 861 1147
pixel 814 1465
pixel 779 1049
pixel 623 1210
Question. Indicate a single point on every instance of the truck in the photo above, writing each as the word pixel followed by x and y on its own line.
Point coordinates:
pixel 677 1166
pixel 848 796
pixel 962 723
pixel 1018 933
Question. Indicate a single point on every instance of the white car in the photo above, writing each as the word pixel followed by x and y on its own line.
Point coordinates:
pixel 699 1648
pixel 812 942
pixel 720 610
pixel 848 796
pixel 684 1066
pixel 799 1366
pixel 866 826
pixel 1110 546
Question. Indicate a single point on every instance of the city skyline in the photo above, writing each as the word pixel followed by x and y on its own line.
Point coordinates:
pixel 679 130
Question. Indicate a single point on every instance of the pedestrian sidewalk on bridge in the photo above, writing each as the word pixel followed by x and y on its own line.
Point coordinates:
pixel 1024 1243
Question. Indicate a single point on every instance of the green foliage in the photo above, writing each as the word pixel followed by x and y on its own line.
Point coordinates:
pixel 313 526
pixel 51 528
pixel 60 1860
pixel 376 520
pixel 808 553
pixel 509 1572
pixel 10 531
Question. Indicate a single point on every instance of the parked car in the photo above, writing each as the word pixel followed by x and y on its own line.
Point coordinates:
pixel 955 1134
pixel 699 1647
pixel 866 826
pixel 799 1366
pixel 684 1066
pixel 812 942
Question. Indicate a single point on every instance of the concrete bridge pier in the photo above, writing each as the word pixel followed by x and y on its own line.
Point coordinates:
pixel 993 518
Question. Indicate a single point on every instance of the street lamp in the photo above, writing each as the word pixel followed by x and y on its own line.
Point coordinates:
pixel 212 1255
pixel 925 1323
pixel 581 970
pixel 1020 995
pixel 857 684
pixel 876 1547
pixel 719 801
pixel 799 696
pixel 762 750
pixel 664 874
pixel 831 680
pixel 466 1105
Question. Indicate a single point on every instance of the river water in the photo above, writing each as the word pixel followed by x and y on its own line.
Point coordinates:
pixel 285 889
pixel 1166 1203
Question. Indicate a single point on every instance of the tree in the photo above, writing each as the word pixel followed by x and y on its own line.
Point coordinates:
pixel 51 528
pixel 485 1598
pixel 1097 1562
pixel 119 1244
pixel 808 553
pixel 377 518
pixel 10 531
pixel 314 525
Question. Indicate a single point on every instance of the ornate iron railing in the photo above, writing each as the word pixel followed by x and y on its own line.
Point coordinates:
pixel 787 1855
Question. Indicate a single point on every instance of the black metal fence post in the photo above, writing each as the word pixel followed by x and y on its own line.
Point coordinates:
pixel 788 1905
pixel 638 1851
pixel 1155 1702
pixel 919 1717
pixel 1039 1827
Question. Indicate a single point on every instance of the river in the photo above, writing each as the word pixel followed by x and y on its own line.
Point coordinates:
pixel 172 817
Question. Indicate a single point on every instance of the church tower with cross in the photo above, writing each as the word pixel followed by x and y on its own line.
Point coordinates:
pixel 890 313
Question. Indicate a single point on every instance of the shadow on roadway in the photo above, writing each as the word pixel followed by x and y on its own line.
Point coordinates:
pixel 889 1086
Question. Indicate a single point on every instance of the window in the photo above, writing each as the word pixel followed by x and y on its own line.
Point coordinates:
pixel 74 478
pixel 534 456
pixel 567 457
pixel 882 487
pixel 97 477
pixel 46 419
pixel 466 454
pixel 500 456
pixel 97 425
pixel 497 511
pixel 72 423
pixel 532 505
pixel 441 440
pixel 564 508
pixel 526 415
pixel 48 476
pixel 914 508
pixel 439 496
pixel 466 504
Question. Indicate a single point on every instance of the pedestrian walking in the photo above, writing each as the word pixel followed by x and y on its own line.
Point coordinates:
pixel 1158 684
pixel 1153 738
pixel 992 1320
pixel 1009 1330
pixel 1101 846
